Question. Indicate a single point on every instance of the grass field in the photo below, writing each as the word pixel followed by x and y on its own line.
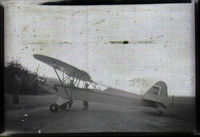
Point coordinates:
pixel 31 115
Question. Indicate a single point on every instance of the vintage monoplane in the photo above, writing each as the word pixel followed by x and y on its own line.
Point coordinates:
pixel 76 84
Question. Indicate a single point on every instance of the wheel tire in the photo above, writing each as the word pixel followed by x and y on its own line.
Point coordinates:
pixel 54 108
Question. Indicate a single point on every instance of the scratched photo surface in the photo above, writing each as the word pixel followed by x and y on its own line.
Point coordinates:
pixel 128 47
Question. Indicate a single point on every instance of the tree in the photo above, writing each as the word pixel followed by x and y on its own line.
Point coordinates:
pixel 13 80
pixel 19 80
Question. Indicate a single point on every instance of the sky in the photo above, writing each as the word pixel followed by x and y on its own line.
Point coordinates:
pixel 161 42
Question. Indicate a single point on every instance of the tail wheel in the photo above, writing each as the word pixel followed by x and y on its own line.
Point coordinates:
pixel 54 107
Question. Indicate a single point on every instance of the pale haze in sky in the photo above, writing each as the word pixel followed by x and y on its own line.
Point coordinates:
pixel 161 42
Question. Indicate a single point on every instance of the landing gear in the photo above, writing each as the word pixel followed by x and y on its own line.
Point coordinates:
pixel 159 111
pixel 63 106
pixel 54 107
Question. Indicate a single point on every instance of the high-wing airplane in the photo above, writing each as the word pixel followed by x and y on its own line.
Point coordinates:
pixel 76 84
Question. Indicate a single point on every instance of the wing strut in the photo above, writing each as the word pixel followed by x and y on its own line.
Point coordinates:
pixel 70 97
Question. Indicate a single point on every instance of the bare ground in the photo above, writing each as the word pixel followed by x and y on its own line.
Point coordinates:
pixel 32 115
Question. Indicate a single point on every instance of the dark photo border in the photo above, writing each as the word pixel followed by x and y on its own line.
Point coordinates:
pixel 106 2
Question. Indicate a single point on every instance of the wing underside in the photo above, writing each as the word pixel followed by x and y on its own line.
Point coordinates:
pixel 69 70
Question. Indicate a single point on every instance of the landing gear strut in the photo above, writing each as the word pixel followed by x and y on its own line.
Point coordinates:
pixel 63 106
pixel 159 111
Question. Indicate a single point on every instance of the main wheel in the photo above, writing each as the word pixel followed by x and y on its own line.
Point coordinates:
pixel 54 107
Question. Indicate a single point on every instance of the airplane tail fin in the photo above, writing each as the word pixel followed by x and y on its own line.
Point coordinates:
pixel 157 94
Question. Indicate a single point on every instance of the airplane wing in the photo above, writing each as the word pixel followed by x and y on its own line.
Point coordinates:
pixel 69 70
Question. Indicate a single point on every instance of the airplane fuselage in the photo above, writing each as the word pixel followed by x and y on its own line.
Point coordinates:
pixel 109 95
